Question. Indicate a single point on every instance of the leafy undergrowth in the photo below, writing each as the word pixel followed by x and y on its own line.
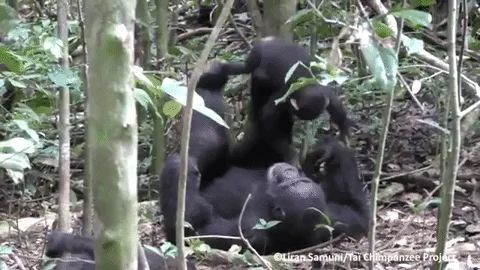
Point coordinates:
pixel 406 219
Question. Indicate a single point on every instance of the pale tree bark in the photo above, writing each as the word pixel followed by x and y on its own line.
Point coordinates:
pixel 112 135
pixel 275 14
pixel 64 126
pixel 87 218
pixel 451 168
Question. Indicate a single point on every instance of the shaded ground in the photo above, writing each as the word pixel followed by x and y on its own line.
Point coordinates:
pixel 406 217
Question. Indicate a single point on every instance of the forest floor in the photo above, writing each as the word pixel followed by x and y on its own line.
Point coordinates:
pixel 406 217
pixel 407 212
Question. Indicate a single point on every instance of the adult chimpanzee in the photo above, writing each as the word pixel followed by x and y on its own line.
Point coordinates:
pixel 209 141
pixel 270 135
pixel 82 253
pixel 281 193
pixel 344 190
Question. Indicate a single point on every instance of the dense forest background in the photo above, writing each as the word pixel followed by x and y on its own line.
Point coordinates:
pixel 168 42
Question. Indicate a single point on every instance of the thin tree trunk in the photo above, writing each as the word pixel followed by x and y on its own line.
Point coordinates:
pixel 112 134
pixel 87 218
pixel 64 126
pixel 187 121
pixel 451 168
pixel 162 39
pixel 275 14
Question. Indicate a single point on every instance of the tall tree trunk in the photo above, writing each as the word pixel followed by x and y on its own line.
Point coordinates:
pixel 275 14
pixel 64 125
pixel 144 20
pixel 112 135
pixel 451 167
pixel 87 219
pixel 162 38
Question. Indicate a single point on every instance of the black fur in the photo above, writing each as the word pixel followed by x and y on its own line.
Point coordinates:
pixel 210 141
pixel 269 61
pixel 281 193
pixel 82 254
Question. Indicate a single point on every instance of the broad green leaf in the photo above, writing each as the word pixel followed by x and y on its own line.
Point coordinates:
pixel 412 45
pixel 169 249
pixel 23 125
pixel 11 60
pixel 14 161
pixel 171 108
pixel 301 83
pixel 54 46
pixel 2 83
pixel 301 16
pixel 5 250
pixel 62 77
pixel 16 176
pixel 139 76
pixel 17 145
pixel 415 17
pixel 390 61
pixel 16 83
pixel 382 30
pixel 372 57
pixel 143 98
pixel 179 93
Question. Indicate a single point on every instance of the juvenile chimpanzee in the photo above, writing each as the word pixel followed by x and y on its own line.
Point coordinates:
pixel 210 141
pixel 82 253
pixel 268 138
pixel 269 61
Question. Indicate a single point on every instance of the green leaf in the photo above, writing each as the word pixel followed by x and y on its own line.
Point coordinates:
pixel 11 60
pixel 301 16
pixel 143 98
pixel 171 108
pixel 3 265
pixel 23 125
pixel 372 57
pixel 413 45
pixel 16 83
pixel 5 250
pixel 415 17
pixel 179 93
pixel 139 76
pixel 272 223
pixel 423 205
pixel 54 46
pixel 291 70
pixel 422 3
pixel 62 77
pixel 14 161
pixel 300 84
pixel 390 61
pixel 8 18
pixel 17 145
pixel 2 83
pixel 382 30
